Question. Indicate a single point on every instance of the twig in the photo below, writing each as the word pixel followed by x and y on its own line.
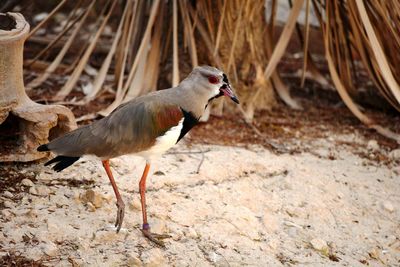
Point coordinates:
pixel 201 163
pixel 188 152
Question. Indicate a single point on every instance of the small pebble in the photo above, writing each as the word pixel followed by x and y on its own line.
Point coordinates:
pixel 42 190
pixel 373 145
pixel 374 253
pixel 33 190
pixel 50 249
pixel 6 214
pixel 91 207
pixel 9 204
pixel 153 257
pixel 27 183
pixel 95 198
pixel 191 233
pixel 8 194
pixel 388 206
pixel 52 227
pixel 395 154
pixel 32 213
pixel 319 244
pixel 134 261
pixel 135 205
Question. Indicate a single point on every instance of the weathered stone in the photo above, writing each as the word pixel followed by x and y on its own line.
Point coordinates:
pixel 42 190
pixel 91 207
pixel 191 233
pixel 93 197
pixel 319 244
pixel 33 190
pixel 388 206
pixel 50 249
pixel 52 227
pixel 395 154
pixel 373 145
pixel 8 204
pixel 153 258
pixel 6 214
pixel 135 205
pixel 133 260
pixel 26 182
pixel 8 194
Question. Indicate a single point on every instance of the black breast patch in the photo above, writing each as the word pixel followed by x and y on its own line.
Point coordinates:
pixel 188 122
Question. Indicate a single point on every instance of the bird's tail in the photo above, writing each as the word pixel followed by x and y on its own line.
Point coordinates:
pixel 62 162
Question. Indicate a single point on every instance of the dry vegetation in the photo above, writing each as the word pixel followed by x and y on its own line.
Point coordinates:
pixel 121 49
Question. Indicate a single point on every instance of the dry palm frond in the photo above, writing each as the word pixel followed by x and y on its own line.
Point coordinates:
pixel 175 61
pixel 43 22
pixel 337 49
pixel 84 59
pixel 233 35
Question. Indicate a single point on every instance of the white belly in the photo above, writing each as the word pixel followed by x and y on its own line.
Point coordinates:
pixel 164 142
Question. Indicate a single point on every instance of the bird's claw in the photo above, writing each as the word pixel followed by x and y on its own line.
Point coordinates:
pixel 155 238
pixel 120 215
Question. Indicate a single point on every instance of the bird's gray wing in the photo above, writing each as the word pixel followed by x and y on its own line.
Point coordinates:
pixel 131 128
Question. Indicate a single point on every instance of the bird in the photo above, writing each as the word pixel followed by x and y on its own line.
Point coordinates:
pixel 146 126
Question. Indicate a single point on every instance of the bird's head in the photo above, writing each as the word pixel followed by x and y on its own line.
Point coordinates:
pixel 212 82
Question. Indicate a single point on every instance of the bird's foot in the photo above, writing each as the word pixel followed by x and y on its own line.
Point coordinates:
pixel 120 214
pixel 155 238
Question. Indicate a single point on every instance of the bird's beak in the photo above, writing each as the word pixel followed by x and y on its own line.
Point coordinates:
pixel 226 89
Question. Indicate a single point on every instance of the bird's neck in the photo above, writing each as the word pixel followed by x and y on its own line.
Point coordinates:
pixel 192 100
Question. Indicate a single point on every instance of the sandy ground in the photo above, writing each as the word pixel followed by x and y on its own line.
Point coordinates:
pixel 245 207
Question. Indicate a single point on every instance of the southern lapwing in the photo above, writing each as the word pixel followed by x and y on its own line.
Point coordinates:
pixel 146 126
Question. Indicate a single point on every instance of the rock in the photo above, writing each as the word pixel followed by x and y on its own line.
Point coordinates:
pixel 9 204
pixel 153 258
pixel 32 213
pixel 52 227
pixel 27 183
pixel 42 190
pixel 93 197
pixel 135 205
pixel 91 207
pixel 374 254
pixel 217 259
pixel 50 249
pixel 372 145
pixel 319 244
pixel 33 190
pixel 6 214
pixel 274 243
pixel 133 260
pixel 388 206
pixel 191 233
pixel 158 226
pixel 395 154
pixel 8 194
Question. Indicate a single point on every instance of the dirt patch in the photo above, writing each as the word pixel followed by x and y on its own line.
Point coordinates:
pixel 13 174
pixel 222 205
pixel 16 260
pixel 284 130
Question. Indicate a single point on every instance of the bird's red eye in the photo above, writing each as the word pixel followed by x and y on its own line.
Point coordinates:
pixel 213 79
